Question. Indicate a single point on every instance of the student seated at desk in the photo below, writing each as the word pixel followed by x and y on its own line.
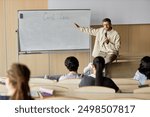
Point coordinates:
pixel 17 83
pixel 143 72
pixel 99 79
pixel 72 65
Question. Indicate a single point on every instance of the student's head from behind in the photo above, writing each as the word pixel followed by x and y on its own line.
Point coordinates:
pixel 106 22
pixel 99 62
pixel 72 63
pixel 98 66
pixel 17 82
pixel 145 66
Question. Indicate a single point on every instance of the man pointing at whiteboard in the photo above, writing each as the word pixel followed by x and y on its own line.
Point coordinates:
pixel 107 41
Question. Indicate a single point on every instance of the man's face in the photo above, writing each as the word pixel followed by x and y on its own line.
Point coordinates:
pixel 107 26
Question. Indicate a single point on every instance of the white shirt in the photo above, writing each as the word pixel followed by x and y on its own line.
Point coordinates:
pixel 70 75
pixel 111 48
pixel 92 75
pixel 88 69
pixel 140 77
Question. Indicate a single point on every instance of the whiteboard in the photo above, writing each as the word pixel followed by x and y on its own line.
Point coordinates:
pixel 48 30
pixel 119 11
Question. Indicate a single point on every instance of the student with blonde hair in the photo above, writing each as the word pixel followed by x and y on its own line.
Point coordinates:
pixel 17 82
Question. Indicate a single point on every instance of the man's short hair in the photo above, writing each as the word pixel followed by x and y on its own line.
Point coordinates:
pixel 72 63
pixel 107 20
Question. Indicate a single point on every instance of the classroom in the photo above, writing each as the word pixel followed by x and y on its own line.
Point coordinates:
pixel 130 19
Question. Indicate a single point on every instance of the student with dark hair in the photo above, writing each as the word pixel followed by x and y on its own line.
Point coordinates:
pixel 143 72
pixel 17 82
pixel 99 80
pixel 72 65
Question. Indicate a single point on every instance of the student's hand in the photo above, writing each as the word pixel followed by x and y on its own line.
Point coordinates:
pixel 76 25
pixel 88 68
pixel 90 65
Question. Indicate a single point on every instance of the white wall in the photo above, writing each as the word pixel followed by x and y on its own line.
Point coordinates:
pixel 120 11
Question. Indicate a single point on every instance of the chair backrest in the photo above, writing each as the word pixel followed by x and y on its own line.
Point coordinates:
pixel 109 96
pixel 147 82
pixel 126 85
pixel 42 81
pixel 62 98
pixel 69 83
pixel 142 90
pixel 125 81
pixel 127 88
pixel 94 89
pixel 127 98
